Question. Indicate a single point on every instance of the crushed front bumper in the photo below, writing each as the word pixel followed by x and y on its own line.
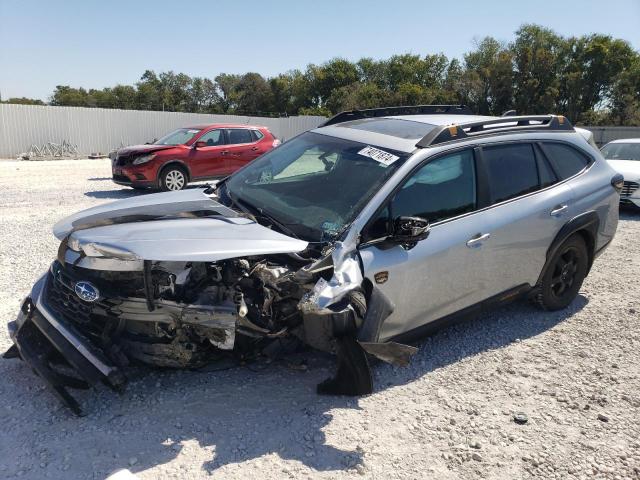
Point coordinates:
pixel 51 346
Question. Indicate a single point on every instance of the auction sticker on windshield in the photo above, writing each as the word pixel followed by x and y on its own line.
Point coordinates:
pixel 378 155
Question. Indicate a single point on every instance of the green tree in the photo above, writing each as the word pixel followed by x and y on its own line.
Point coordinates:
pixel 254 94
pixel 625 95
pixel 149 91
pixel 68 96
pixel 536 52
pixel 591 79
pixel 227 87
pixel 488 77
pixel 330 76
pixel 24 101
pixel 592 65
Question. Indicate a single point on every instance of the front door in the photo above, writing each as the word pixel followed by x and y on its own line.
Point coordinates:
pixel 209 160
pixel 445 272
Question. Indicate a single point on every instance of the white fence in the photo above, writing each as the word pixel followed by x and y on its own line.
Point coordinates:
pixel 101 130
pixel 96 130
pixel 603 135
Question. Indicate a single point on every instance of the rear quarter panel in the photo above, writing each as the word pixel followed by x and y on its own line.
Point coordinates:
pixel 593 192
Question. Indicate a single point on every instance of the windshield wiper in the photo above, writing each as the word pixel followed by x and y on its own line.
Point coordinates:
pixel 261 213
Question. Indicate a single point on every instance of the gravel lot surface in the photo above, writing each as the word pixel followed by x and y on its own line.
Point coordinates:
pixel 575 374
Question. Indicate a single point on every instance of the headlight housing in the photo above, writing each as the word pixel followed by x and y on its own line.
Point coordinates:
pixel 144 159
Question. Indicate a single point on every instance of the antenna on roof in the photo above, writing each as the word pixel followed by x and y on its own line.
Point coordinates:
pixel 509 113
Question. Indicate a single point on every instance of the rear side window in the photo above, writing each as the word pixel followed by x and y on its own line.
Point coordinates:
pixel 565 160
pixel 511 171
pixel 257 134
pixel 239 135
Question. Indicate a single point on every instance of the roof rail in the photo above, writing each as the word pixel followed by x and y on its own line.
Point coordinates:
pixel 390 111
pixel 511 124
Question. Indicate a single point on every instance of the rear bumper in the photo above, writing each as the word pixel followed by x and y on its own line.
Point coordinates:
pixel 41 339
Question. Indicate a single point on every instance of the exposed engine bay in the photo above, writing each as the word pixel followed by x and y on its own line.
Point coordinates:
pixel 106 305
pixel 183 314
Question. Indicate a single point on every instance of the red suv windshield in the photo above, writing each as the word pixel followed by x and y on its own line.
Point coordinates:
pixel 178 137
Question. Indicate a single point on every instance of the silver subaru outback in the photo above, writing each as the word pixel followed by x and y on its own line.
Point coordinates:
pixel 354 238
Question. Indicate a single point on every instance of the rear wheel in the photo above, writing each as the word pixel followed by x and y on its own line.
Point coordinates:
pixel 173 178
pixel 564 277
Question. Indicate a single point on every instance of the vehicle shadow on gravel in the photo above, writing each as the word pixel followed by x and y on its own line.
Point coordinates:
pixel 245 413
pixel 630 213
pixel 115 194
pixel 489 331
pixel 127 192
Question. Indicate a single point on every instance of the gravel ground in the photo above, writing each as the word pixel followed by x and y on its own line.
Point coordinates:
pixel 575 374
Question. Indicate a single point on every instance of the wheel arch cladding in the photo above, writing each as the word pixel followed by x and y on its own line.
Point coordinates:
pixel 586 225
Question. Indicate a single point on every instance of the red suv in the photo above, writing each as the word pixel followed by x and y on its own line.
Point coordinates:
pixel 189 154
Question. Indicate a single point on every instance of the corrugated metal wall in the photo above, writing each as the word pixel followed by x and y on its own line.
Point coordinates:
pixel 603 135
pixel 102 130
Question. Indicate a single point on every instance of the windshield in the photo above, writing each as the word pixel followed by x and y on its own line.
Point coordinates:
pixel 622 151
pixel 178 137
pixel 314 185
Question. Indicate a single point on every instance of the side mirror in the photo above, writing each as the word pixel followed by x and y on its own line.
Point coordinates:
pixel 200 144
pixel 407 231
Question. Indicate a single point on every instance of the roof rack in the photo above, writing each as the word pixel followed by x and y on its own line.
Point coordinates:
pixel 510 124
pixel 391 111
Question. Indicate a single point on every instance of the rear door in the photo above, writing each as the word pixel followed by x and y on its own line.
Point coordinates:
pixel 243 147
pixel 528 208
pixel 209 161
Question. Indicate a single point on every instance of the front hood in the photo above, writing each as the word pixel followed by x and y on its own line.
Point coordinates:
pixel 162 227
pixel 630 169
pixel 138 149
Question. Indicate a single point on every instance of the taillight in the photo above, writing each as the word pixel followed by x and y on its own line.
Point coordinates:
pixel 276 142
pixel 617 182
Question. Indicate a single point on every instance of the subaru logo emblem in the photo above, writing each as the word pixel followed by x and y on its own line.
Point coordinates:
pixel 86 291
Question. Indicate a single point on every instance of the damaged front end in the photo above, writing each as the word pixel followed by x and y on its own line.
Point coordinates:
pixel 172 288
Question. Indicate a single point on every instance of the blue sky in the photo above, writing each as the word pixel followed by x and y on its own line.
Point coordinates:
pixel 93 43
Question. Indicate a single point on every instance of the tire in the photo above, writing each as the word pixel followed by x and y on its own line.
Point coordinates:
pixel 173 178
pixel 564 276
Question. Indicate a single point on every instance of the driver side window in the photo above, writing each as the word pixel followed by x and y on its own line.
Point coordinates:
pixel 441 189
pixel 213 138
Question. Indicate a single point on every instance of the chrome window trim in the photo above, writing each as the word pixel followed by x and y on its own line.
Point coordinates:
pixel 483 209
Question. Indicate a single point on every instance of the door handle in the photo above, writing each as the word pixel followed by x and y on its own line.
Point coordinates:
pixel 558 210
pixel 224 152
pixel 255 149
pixel 477 240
